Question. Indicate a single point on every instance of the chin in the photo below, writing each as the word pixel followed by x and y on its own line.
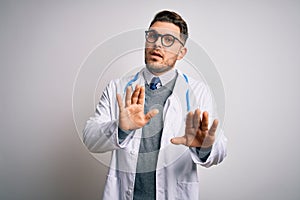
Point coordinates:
pixel 157 68
pixel 154 65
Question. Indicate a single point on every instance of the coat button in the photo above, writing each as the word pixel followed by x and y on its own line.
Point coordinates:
pixel 132 152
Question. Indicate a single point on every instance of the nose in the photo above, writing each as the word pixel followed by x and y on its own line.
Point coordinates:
pixel 158 43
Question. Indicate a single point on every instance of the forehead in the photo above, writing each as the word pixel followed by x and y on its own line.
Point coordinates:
pixel 166 28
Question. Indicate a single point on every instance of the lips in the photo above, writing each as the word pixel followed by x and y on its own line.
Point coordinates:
pixel 156 53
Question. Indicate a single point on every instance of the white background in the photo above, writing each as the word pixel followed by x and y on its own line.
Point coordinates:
pixel 255 46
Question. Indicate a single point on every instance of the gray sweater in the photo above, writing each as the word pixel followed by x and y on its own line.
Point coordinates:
pixel 145 181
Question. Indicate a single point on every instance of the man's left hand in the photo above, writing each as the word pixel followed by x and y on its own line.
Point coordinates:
pixel 197 133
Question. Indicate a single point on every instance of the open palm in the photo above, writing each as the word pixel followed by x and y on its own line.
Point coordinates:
pixel 131 116
pixel 197 133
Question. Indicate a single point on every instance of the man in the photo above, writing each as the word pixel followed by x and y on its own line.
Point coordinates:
pixel 163 128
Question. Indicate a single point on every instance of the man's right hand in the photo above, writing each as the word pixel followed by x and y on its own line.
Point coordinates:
pixel 132 116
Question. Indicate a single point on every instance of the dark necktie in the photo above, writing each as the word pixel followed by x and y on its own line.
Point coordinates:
pixel 155 83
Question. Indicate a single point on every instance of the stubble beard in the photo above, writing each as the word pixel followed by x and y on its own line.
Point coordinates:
pixel 159 68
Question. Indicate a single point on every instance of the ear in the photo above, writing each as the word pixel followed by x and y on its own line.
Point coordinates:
pixel 181 53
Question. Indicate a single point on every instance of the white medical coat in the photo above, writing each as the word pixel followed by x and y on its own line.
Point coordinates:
pixel 176 172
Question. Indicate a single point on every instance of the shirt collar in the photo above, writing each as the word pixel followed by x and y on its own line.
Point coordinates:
pixel 164 78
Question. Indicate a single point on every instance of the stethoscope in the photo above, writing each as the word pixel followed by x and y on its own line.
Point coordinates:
pixel 186 94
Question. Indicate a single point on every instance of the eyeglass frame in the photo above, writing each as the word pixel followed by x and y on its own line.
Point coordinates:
pixel 161 37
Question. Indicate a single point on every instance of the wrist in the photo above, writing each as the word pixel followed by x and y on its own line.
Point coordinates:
pixel 124 130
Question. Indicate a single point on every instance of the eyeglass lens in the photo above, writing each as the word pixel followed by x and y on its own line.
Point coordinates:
pixel 166 40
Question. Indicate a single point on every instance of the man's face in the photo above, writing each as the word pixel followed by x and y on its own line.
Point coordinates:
pixel 159 58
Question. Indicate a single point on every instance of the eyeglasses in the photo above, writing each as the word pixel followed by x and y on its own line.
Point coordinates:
pixel 167 40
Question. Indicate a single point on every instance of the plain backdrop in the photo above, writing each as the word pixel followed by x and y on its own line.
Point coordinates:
pixel 254 45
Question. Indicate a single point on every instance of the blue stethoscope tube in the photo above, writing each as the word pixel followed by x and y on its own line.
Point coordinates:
pixel 188 107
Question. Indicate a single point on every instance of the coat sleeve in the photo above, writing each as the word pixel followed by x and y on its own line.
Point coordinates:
pixel 101 131
pixel 217 154
pixel 205 103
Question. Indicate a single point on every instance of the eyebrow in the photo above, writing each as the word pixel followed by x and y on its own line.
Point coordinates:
pixel 172 33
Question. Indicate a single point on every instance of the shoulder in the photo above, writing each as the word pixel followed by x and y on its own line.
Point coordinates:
pixel 199 88
pixel 194 84
pixel 121 83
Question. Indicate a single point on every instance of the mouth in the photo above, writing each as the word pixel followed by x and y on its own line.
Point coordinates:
pixel 156 54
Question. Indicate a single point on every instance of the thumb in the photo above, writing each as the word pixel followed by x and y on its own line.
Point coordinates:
pixel 213 127
pixel 151 114
pixel 179 140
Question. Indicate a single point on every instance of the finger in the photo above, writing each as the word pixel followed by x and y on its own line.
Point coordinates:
pixel 196 118
pixel 141 96
pixel 178 140
pixel 127 97
pixel 204 122
pixel 135 95
pixel 189 120
pixel 120 102
pixel 151 114
pixel 213 128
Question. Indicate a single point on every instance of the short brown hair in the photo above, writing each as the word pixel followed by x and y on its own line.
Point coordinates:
pixel 174 18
